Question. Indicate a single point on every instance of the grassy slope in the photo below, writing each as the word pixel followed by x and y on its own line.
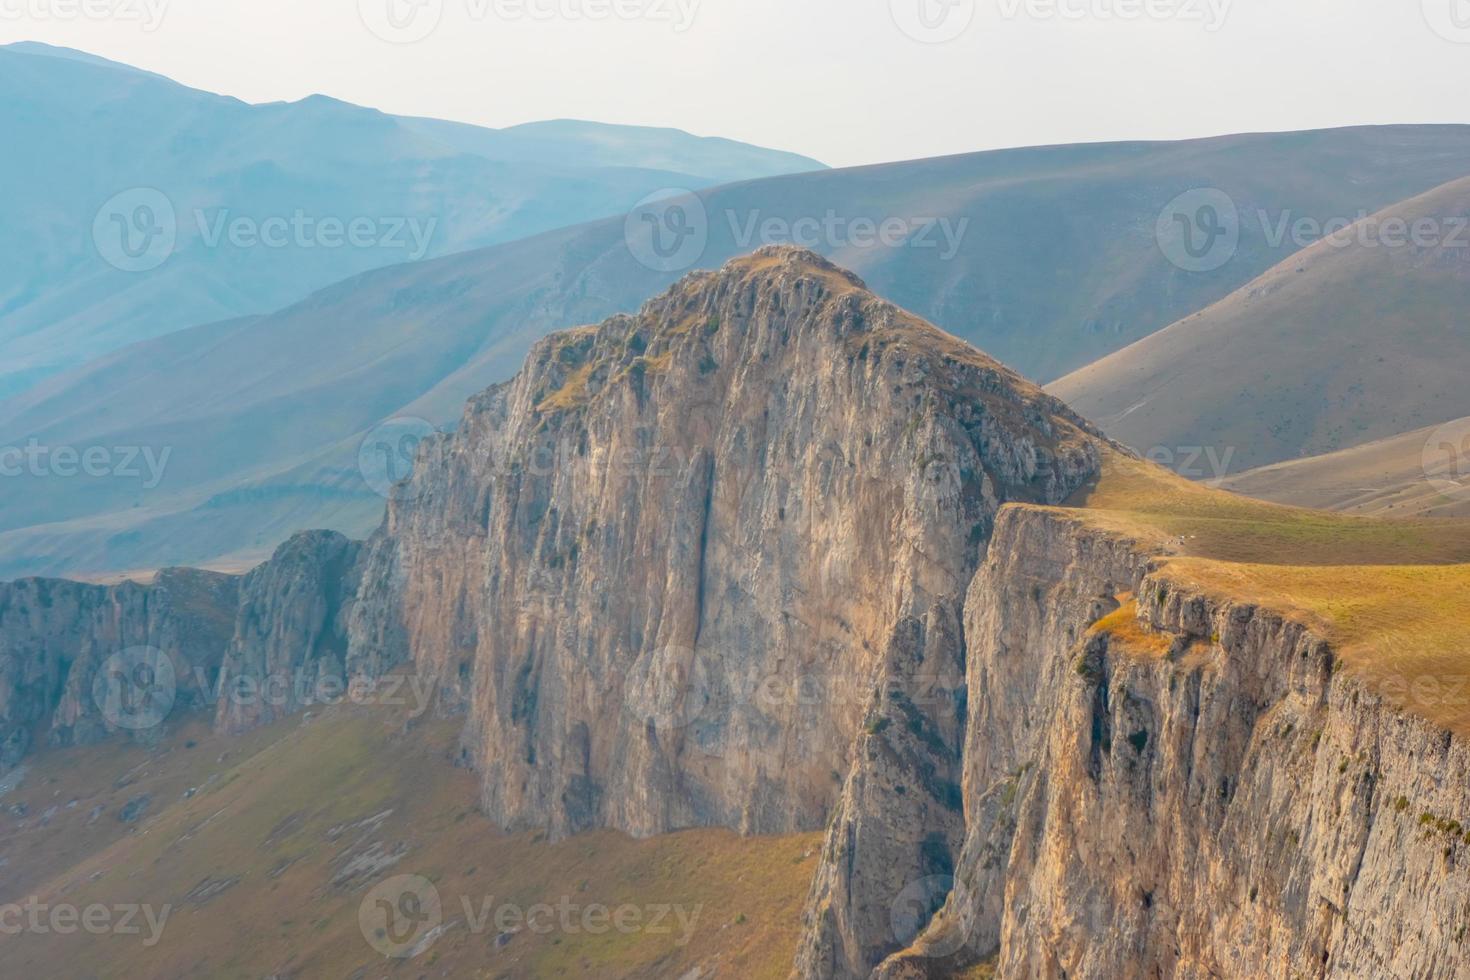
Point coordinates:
pixel 289 806
pixel 1335 347
pixel 1388 593
pixel 1386 478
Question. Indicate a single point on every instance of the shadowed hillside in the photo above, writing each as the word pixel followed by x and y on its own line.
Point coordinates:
pixel 1362 336
pixel 1051 260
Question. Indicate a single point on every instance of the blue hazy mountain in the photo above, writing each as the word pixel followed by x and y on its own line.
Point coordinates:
pixel 1054 264
pixel 137 206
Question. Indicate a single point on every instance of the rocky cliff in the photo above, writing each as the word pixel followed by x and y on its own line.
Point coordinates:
pixel 688 565
pixel 1159 782
pixel 289 646
pixel 78 662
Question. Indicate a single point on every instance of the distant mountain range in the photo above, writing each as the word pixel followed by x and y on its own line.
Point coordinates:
pixel 1047 258
pixel 137 206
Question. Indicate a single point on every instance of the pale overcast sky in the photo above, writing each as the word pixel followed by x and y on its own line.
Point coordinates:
pixel 846 81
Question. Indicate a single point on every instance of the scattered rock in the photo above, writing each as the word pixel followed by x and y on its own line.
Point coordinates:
pixel 134 809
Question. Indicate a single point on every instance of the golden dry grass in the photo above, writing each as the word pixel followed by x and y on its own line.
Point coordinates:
pixel 1131 635
pixel 1149 502
pixel 572 394
pixel 1389 594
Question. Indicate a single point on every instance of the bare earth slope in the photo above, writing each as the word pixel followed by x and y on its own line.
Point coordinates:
pixel 1360 337
pixel 1421 473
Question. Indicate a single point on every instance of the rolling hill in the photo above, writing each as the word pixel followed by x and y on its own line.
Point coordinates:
pixel 1424 473
pixel 1359 338
pixel 137 206
pixel 1051 260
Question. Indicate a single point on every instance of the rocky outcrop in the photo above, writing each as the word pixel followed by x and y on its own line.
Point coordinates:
pixel 78 661
pixel 704 566
pixel 1189 788
pixel 289 648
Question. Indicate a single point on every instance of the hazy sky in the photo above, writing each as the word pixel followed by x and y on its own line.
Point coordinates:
pixel 847 81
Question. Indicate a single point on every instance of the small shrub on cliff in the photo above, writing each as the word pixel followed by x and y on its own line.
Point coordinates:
pixel 1401 804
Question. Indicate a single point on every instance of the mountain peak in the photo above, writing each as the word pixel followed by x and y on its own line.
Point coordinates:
pixel 792 259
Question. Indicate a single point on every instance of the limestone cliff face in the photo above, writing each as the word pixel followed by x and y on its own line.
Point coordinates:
pixel 705 566
pixel 55 636
pixel 1217 801
pixel 289 647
